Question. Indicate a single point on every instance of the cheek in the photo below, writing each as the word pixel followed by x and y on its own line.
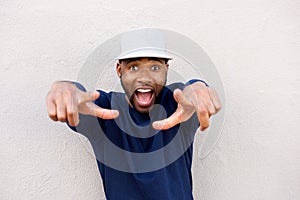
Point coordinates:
pixel 127 78
pixel 127 83
pixel 161 79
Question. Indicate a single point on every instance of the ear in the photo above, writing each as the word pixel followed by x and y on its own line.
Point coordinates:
pixel 118 69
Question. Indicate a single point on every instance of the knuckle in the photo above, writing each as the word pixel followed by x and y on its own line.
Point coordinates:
pixel 71 114
pixel 53 116
pixel 73 122
pixel 202 112
pixel 102 113
pixel 212 112
pixel 61 118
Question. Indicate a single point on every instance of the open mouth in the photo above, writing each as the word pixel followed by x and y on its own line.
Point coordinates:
pixel 144 97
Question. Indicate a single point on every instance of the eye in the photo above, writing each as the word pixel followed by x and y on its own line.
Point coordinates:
pixel 155 67
pixel 133 68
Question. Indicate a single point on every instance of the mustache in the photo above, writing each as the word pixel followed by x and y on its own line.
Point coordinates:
pixel 129 95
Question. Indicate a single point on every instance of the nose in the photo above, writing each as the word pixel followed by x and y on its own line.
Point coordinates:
pixel 144 77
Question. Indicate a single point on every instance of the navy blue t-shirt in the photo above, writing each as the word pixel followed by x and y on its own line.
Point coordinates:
pixel 160 179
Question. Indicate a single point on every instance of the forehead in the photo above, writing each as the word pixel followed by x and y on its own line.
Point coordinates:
pixel 142 60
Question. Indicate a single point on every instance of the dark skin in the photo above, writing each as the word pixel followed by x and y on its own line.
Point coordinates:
pixel 142 80
pixel 145 74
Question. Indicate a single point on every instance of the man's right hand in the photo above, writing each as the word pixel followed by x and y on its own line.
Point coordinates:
pixel 65 101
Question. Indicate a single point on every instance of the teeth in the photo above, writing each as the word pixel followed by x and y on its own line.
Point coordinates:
pixel 144 90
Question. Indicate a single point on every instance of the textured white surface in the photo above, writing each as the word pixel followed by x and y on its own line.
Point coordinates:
pixel 255 45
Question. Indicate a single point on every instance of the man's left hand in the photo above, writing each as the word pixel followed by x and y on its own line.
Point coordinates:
pixel 196 97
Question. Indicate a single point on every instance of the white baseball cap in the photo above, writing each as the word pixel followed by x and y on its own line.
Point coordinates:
pixel 146 42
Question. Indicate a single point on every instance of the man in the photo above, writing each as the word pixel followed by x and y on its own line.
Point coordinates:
pixel 131 122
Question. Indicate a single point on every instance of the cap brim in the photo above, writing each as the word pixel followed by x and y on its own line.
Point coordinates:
pixel 145 53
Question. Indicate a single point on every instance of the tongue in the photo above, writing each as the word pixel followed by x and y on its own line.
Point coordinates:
pixel 144 97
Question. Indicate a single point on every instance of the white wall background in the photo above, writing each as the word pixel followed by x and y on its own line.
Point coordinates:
pixel 254 44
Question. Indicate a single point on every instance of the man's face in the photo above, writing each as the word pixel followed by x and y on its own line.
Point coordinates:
pixel 142 79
